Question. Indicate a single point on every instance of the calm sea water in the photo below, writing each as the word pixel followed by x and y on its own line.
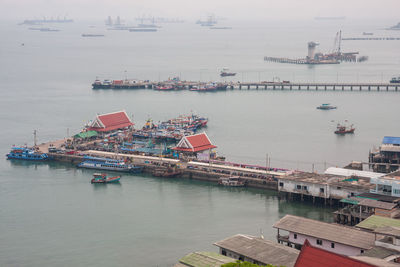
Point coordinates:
pixel 50 215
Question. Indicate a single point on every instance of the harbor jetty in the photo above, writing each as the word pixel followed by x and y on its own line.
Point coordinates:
pixel 262 85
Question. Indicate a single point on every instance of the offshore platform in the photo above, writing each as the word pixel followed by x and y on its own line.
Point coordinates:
pixel 313 57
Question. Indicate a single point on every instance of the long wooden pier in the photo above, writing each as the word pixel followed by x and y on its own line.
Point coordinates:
pixel 317 86
pixel 282 85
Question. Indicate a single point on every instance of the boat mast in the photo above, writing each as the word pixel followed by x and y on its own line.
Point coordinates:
pixel 34 138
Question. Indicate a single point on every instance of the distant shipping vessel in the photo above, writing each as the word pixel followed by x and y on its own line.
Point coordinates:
pixel 92 35
pixel 143 29
pixel 42 21
pixel 330 18
pixel 26 153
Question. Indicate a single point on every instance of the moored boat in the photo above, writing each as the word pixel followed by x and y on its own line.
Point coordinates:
pixel 164 88
pixel 395 80
pixel 233 181
pixel 26 153
pixel 109 165
pixel 101 178
pixel 326 107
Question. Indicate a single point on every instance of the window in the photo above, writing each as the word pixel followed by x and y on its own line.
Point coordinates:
pixel 295 236
pixel 319 242
pixel 352 194
pixel 339 187
pixel 223 252
pixel 280 184
pixel 298 186
pixel 305 187
pixel 362 251
pixel 332 245
pixel 322 190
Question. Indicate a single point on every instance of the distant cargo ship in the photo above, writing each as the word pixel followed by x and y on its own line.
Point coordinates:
pixel 92 35
pixel 143 29
pixel 395 27
pixel 42 21
pixel 330 18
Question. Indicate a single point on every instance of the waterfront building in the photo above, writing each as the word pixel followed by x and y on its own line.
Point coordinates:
pixel 201 259
pixel 257 250
pixel 110 122
pixel 197 146
pixel 387 185
pixel 332 237
pixel 387 157
pixel 321 186
pixel 358 208
pixel 313 256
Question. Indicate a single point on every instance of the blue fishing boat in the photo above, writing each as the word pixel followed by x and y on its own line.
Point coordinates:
pixel 109 165
pixel 101 178
pixel 26 153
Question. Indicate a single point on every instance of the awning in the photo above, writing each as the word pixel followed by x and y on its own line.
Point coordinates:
pixel 85 135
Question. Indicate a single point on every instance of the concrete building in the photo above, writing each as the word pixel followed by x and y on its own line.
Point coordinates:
pixel 387 185
pixel 257 250
pixel 331 237
pixel 329 188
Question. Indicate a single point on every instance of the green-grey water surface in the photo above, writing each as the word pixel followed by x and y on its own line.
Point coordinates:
pixel 50 214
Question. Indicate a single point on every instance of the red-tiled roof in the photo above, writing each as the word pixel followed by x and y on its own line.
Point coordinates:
pixel 316 257
pixel 111 121
pixel 194 143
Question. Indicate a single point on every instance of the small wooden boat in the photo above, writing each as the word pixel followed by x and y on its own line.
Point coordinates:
pixel 101 178
pixel 233 181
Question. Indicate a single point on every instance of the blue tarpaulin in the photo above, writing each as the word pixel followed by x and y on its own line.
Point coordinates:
pixel 391 140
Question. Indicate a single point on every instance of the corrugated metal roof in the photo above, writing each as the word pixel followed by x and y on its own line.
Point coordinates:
pixel 261 250
pixel 348 173
pixel 201 259
pixel 375 221
pixel 327 231
pixel 391 140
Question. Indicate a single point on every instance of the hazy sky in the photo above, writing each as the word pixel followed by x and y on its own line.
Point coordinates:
pixel 193 9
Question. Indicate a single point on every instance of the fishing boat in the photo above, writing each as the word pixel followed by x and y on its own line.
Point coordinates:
pixel 164 88
pixel 109 165
pixel 26 153
pixel 395 80
pixel 326 107
pixel 204 88
pixel 343 129
pixel 101 178
pixel 233 181
pixel 225 73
